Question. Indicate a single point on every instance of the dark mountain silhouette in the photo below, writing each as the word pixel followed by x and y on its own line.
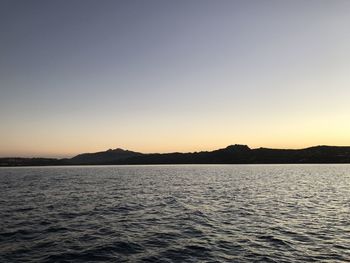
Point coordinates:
pixel 233 154
pixel 103 157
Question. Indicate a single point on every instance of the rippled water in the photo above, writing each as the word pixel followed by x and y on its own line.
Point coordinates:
pixel 194 213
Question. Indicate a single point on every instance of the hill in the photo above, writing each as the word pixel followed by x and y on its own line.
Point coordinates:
pixel 108 156
pixel 233 154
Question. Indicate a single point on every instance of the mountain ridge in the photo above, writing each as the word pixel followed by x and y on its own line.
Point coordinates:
pixel 232 154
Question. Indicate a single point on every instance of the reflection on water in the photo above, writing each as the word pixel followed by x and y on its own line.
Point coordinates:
pixel 214 213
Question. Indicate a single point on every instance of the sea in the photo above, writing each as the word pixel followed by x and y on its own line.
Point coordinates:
pixel 175 213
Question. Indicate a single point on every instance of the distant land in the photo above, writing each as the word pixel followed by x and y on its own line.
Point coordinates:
pixel 233 154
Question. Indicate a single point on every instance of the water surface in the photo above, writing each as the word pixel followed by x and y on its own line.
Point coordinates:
pixel 184 213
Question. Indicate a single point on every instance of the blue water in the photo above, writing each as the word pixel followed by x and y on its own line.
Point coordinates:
pixel 185 213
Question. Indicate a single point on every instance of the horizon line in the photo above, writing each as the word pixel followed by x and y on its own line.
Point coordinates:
pixel 167 152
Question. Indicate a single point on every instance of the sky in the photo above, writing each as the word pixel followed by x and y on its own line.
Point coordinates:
pixel 163 76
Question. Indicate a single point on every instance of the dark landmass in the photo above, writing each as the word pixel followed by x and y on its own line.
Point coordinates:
pixel 233 154
pixel 109 156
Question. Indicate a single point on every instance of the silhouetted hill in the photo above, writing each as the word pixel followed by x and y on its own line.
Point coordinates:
pixel 242 154
pixel 103 157
pixel 233 154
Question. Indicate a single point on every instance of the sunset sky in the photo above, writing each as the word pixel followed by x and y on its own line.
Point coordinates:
pixel 163 76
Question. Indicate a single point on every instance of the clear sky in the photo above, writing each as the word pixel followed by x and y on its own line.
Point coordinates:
pixel 159 76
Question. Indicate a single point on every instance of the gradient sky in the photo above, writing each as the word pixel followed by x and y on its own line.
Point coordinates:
pixel 158 76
